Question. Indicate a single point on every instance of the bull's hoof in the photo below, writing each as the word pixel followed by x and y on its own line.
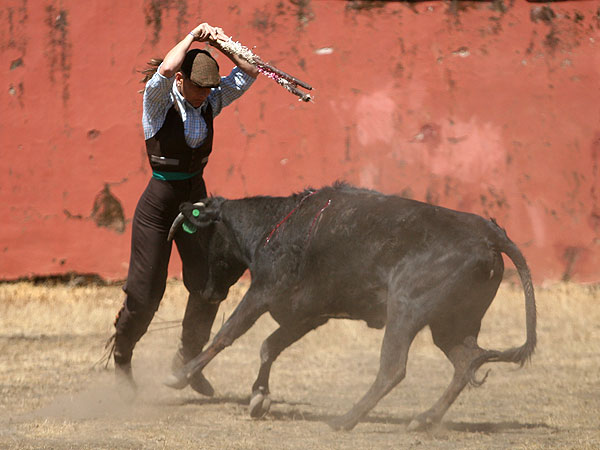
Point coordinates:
pixel 260 403
pixel 421 423
pixel 342 423
pixel 176 381
pixel 415 425
pixel 201 385
pixel 335 424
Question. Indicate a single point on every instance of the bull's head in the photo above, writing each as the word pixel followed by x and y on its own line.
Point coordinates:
pixel 191 217
pixel 225 265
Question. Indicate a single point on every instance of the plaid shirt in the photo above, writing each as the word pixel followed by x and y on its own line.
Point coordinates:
pixel 161 93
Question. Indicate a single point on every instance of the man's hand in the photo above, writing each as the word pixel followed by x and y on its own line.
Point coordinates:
pixel 206 33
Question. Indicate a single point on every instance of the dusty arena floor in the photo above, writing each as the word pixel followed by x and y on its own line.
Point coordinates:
pixel 53 395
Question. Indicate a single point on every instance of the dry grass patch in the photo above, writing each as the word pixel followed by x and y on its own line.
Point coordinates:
pixel 52 395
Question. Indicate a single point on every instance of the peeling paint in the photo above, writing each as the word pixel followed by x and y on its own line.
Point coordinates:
pixel 360 5
pixel 566 30
pixel 500 6
pixel 463 52
pixel 304 12
pixel 154 11
pixel 429 134
pixel 493 202
pixel 324 51
pixel 570 257
pixel 17 92
pixel 16 63
pixel 107 211
pixel 69 215
pixel 17 18
pixel 262 21
pixel 93 134
pixel 542 14
pixel 455 7
pixel 551 40
pixel 59 48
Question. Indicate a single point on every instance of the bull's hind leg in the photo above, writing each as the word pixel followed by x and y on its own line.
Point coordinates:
pixel 400 331
pixel 456 335
pixel 279 340
pixel 466 358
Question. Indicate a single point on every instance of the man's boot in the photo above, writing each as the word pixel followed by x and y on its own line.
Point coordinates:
pixel 129 328
pixel 123 373
pixel 197 322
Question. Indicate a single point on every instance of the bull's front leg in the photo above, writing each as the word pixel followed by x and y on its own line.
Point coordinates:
pixel 245 315
pixel 271 348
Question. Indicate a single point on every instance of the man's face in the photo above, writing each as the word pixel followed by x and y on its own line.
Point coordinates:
pixel 194 94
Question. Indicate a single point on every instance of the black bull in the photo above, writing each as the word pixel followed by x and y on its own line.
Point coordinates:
pixel 343 252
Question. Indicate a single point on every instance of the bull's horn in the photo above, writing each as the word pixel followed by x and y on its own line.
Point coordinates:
pixel 176 224
pixel 179 219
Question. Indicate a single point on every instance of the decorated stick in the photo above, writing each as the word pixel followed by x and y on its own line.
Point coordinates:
pixel 282 78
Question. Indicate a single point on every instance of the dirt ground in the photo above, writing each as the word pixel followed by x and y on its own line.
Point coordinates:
pixel 53 394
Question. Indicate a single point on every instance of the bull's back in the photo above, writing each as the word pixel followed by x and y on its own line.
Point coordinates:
pixel 383 229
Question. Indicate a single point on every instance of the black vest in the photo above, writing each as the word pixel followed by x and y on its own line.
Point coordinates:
pixel 168 151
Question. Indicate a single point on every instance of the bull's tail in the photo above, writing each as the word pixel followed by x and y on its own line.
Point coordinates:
pixel 522 354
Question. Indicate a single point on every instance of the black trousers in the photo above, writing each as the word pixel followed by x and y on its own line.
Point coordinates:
pixel 148 268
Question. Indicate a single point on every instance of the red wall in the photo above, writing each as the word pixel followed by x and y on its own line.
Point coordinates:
pixel 488 107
